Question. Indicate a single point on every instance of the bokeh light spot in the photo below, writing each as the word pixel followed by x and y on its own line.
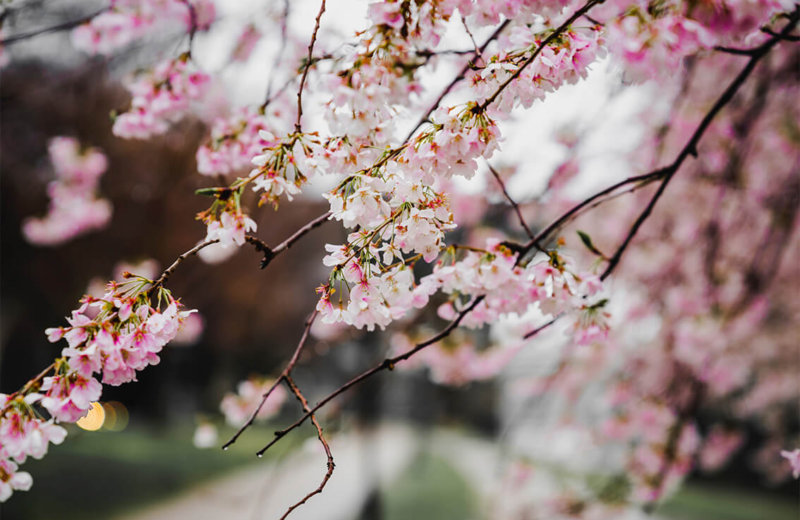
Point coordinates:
pixel 94 419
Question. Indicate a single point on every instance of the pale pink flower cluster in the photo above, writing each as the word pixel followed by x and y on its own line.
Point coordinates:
pixel 736 21
pixel 230 228
pixel 397 218
pixel 510 288
pixel 161 97
pixel 793 458
pixel 74 208
pixel 283 165
pixel 373 79
pixel 233 143
pixel 246 43
pixel 458 138
pixel 125 335
pixel 129 20
pixel 718 447
pixel 647 426
pixel 653 46
pixel 565 60
pixel 237 408
pixel 455 361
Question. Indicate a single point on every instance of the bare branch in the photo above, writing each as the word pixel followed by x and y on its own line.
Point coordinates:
pixel 386 364
pixel 511 201
pixel 297 127
pixel 329 464
pixel 286 373
pixel 161 280
pixel 16 38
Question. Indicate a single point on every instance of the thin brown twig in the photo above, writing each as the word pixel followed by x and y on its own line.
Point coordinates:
pixel 161 280
pixel 386 364
pixel 286 373
pixel 270 253
pixel 511 201
pixel 297 126
pixel 278 55
pixel 192 24
pixel 330 465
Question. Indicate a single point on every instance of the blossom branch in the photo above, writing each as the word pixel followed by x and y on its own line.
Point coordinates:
pixel 555 34
pixel 458 78
pixel 35 382
pixel 690 148
pixel 306 67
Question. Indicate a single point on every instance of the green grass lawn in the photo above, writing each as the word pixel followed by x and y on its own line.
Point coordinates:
pixel 97 475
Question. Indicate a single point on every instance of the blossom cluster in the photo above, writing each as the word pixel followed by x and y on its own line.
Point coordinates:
pixel 74 207
pixel 108 340
pixel 161 97
pixel 233 143
pixel 128 20
pixel 237 407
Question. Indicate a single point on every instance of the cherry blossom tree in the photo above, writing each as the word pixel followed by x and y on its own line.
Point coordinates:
pixel 656 283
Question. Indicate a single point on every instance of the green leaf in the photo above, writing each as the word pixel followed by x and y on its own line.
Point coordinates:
pixel 587 241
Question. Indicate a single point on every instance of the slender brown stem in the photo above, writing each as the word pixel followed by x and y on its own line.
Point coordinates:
pixel 386 364
pixel 161 280
pixel 511 201
pixel 297 126
pixel 285 374
pixel 329 464
pixel 192 23
pixel 278 55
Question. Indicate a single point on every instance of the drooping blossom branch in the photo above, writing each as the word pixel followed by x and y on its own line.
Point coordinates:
pixel 690 148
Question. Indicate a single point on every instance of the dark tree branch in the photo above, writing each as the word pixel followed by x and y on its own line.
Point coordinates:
pixel 71 24
pixel 690 148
